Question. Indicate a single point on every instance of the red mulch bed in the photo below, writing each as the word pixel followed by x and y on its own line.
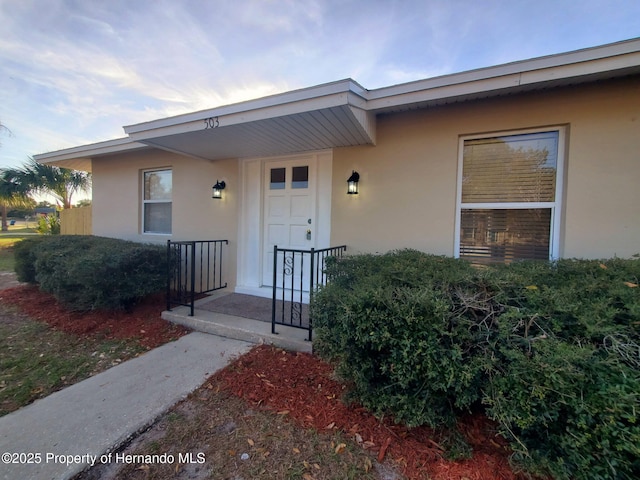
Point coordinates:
pixel 294 384
pixel 142 323
pixel 302 386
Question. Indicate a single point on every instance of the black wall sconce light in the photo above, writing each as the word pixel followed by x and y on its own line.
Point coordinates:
pixel 217 189
pixel 352 183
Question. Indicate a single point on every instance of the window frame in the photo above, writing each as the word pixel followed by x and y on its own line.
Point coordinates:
pixel 144 202
pixel 556 206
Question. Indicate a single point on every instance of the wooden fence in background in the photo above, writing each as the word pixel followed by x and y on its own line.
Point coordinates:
pixel 75 221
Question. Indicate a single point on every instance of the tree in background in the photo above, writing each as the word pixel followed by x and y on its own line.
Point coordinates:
pixel 60 183
pixel 12 195
pixel 23 211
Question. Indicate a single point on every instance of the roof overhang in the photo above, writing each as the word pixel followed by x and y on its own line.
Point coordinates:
pixel 572 68
pixel 343 113
pixel 327 116
pixel 79 158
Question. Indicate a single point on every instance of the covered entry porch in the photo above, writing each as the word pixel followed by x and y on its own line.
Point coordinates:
pixel 197 294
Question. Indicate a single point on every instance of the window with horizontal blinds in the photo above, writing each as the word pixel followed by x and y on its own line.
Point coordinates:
pixel 503 235
pixel 156 201
pixel 508 196
pixel 157 218
pixel 515 168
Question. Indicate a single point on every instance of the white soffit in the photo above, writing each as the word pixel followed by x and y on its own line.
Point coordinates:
pixel 317 118
pixel 299 132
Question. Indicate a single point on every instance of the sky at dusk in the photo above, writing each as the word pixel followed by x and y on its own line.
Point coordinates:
pixel 73 72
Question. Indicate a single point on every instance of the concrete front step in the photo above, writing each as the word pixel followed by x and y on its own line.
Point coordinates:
pixel 240 328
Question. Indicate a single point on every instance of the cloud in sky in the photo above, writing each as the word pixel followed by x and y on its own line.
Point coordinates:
pixel 75 71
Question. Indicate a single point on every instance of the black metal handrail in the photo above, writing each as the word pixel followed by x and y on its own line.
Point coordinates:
pixel 193 268
pixel 297 278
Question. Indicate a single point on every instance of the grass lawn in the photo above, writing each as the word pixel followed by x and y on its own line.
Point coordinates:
pixel 36 360
pixel 6 252
pixel 20 228
pixel 7 241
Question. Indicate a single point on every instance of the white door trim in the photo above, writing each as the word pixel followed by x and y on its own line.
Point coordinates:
pixel 251 215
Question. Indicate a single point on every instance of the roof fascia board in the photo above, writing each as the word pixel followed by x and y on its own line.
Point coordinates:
pixel 92 150
pixel 443 92
pixel 234 118
pixel 582 69
pixel 608 58
pixel 321 96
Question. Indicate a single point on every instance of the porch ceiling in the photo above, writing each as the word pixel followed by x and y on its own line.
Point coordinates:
pixel 326 128
pixel 238 135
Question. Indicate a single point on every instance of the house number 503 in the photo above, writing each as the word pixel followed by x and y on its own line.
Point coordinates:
pixel 211 122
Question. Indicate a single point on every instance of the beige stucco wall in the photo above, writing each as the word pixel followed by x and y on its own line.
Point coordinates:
pixel 408 180
pixel 117 193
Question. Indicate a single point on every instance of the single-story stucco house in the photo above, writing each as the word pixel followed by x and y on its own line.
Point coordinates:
pixel 533 159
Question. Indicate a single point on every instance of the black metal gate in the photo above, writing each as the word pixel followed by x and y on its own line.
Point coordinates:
pixel 296 275
pixel 193 268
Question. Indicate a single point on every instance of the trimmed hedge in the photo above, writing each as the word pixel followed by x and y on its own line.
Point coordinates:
pixel 25 260
pixel 88 273
pixel 551 351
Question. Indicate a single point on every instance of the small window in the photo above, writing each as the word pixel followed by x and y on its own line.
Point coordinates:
pixel 509 197
pixel 156 201
pixel 300 177
pixel 278 179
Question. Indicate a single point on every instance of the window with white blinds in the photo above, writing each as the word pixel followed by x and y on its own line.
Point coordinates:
pixel 156 201
pixel 508 197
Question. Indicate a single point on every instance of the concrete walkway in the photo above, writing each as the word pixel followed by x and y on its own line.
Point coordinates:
pixel 89 419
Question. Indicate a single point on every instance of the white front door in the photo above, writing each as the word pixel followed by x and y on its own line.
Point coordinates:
pixel 289 211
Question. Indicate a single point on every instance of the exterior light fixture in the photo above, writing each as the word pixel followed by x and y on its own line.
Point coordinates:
pixel 352 183
pixel 217 189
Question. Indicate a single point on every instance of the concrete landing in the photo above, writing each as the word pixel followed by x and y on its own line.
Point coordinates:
pixel 239 328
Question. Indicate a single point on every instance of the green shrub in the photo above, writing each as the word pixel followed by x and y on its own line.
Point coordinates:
pixel 389 321
pixel 569 410
pixel 87 273
pixel 576 299
pixel 25 261
pixel 551 350
pixel 566 388
pixel 48 225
